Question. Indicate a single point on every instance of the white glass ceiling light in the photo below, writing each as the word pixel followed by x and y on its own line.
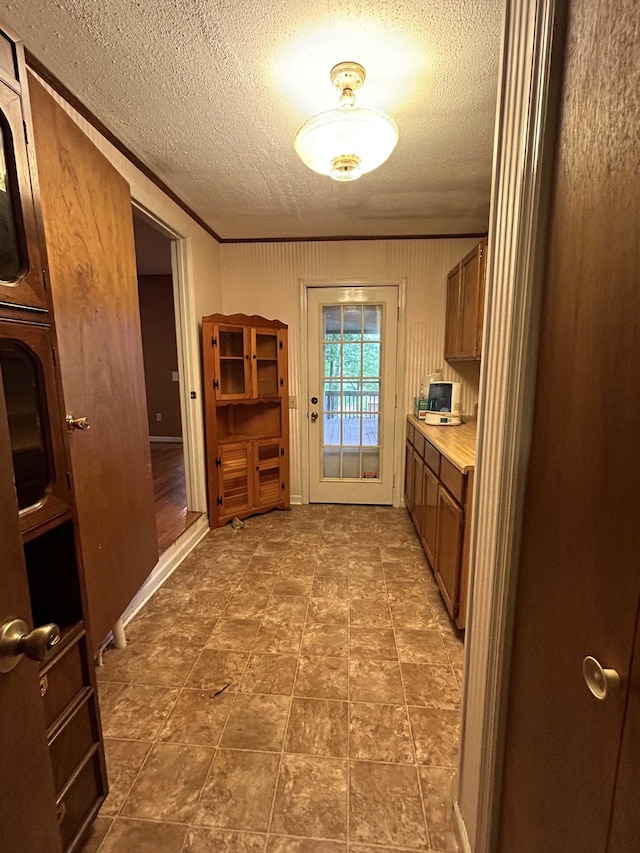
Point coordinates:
pixel 348 141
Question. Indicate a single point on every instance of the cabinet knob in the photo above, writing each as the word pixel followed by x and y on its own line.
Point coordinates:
pixel 16 641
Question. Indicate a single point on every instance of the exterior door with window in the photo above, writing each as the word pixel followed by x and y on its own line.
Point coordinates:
pixel 352 393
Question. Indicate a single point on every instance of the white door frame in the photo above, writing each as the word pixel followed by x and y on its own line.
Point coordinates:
pixel 530 74
pixel 188 347
pixel 398 424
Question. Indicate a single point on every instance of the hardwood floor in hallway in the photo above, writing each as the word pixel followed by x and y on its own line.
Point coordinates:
pixel 294 687
pixel 170 492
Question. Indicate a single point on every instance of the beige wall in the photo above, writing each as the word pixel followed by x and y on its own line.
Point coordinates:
pixel 265 278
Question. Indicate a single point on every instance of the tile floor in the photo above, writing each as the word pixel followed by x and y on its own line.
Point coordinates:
pixel 294 687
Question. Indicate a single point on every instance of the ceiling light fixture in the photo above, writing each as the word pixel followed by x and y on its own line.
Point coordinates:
pixel 348 141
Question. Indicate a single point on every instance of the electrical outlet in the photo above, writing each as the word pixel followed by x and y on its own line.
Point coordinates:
pixel 293 402
pixel 158 416
pixel 174 375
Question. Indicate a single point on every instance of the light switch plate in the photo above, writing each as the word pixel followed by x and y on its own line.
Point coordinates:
pixel 293 402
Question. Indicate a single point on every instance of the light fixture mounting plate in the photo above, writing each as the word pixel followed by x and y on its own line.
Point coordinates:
pixel 347 75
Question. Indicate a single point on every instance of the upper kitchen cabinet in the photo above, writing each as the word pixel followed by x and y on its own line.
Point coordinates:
pixel 21 271
pixel 249 356
pixel 465 306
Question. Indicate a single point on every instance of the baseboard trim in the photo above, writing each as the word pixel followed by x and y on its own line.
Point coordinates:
pixel 176 439
pixel 295 500
pixel 166 565
pixel 460 829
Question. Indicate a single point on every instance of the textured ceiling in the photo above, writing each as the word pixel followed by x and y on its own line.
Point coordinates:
pixel 209 94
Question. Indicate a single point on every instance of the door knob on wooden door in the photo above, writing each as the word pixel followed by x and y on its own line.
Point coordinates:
pixel 601 682
pixel 16 641
pixel 77 423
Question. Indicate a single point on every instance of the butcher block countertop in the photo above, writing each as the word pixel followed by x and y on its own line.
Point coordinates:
pixel 456 443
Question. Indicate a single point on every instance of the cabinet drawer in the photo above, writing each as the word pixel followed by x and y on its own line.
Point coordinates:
pixel 419 442
pixel 432 457
pixel 453 479
pixel 62 680
pixel 72 742
pixel 410 433
pixel 80 799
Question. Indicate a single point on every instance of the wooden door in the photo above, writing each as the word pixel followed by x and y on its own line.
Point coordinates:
pixel 429 513
pixel 235 478
pixel 268 481
pixel 452 326
pixel 27 805
pixel 579 578
pixel 450 527
pixel 417 501
pixel 232 362
pixel 409 464
pixel 87 215
pixel 472 302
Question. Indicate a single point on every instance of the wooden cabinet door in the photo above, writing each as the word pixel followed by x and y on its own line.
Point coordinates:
pixel 266 461
pixel 265 375
pixel 450 527
pixel 429 513
pixel 21 273
pixel 232 362
pixel 578 578
pixel 418 465
pixel 408 477
pixel 472 302
pixel 27 805
pixel 86 207
pixel 452 316
pixel 235 478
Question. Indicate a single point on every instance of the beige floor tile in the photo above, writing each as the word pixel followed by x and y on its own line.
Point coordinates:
pixel 325 640
pixel 257 582
pixel 246 605
pixel 318 727
pixel 96 834
pixel 150 627
pixel 369 612
pixel 138 712
pixel 256 722
pixel 385 806
pixel 430 685
pixel 380 733
pixel 168 786
pixel 299 565
pixel 205 603
pixel 143 836
pixel 198 718
pixel 436 734
pixel 268 673
pixel 311 798
pixel 438 787
pixel 330 587
pixel 237 634
pixel 281 844
pixel 218 670
pixel 287 585
pixel 327 611
pixel 239 791
pixel 124 760
pixel 120 665
pixel 412 614
pixel 284 609
pixel 375 588
pixel 322 677
pixel 275 639
pixel 415 646
pixel 375 681
pixel 209 840
pixel 164 665
pixel 373 643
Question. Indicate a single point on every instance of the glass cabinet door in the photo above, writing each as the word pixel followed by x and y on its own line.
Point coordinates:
pixel 21 276
pixel 265 363
pixel 232 361
pixel 37 449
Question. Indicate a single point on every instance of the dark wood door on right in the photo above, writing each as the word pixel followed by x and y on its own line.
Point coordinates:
pixel 572 761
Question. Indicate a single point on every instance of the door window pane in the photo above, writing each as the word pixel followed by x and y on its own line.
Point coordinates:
pixel 11 258
pixel 371 359
pixel 351 360
pixel 25 411
pixel 352 322
pixel 331 322
pixel 372 322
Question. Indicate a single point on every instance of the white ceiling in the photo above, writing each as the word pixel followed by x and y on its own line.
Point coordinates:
pixel 209 94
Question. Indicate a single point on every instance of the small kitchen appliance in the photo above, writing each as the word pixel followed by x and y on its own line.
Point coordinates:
pixel 443 403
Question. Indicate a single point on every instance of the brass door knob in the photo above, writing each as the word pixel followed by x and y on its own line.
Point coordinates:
pixel 77 423
pixel 314 416
pixel 600 681
pixel 16 641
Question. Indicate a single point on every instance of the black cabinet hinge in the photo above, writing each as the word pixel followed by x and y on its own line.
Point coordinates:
pixel 216 384
pixel 69 484
pixel 214 342
pixel 218 462
pixel 282 451
pixel 219 501
pixel 282 487
pixel 45 280
pixel 281 382
pixel 53 353
pixel 26 132
pixel 281 345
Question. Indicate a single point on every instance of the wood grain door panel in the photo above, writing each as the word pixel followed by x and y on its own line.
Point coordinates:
pixel 450 527
pixel 430 514
pixel 89 232
pixel 452 325
pixel 578 581
pixel 27 805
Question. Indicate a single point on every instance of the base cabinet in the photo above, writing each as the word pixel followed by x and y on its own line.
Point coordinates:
pixel 247 415
pixel 438 498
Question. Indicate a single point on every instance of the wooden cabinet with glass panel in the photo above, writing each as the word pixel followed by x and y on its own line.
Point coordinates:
pixel 247 417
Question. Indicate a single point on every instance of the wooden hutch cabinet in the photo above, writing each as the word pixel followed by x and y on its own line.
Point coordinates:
pixel 52 769
pixel 247 416
pixel 465 306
